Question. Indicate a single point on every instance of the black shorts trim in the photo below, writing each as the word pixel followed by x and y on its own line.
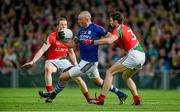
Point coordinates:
pixel 67 69
pixel 87 67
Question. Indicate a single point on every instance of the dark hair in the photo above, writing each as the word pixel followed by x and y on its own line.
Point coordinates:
pixel 61 19
pixel 117 16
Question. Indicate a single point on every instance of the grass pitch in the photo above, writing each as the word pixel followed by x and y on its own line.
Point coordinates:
pixel 71 99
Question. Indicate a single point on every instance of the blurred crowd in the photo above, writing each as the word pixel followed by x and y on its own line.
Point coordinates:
pixel 24 25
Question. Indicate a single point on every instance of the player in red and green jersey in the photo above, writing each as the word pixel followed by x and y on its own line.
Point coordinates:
pixel 124 37
pixel 57 59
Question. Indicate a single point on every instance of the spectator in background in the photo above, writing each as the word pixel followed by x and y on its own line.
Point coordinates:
pixel 1 58
pixel 10 58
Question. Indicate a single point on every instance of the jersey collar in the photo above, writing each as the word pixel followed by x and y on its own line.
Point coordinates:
pixel 89 25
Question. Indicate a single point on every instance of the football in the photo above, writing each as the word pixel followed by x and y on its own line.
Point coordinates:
pixel 67 33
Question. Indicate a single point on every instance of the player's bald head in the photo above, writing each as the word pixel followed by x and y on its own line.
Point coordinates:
pixel 85 14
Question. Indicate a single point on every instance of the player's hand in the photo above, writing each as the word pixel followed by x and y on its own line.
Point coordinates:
pixel 76 40
pixel 88 42
pixel 60 35
pixel 69 42
pixel 27 65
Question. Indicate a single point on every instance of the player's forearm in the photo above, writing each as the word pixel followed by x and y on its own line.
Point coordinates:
pixel 38 55
pixel 103 41
pixel 41 51
pixel 72 56
pixel 108 40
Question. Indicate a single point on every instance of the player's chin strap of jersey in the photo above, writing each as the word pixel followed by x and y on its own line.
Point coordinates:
pixel 61 35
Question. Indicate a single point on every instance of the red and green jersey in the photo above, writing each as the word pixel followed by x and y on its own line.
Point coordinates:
pixel 127 39
pixel 57 49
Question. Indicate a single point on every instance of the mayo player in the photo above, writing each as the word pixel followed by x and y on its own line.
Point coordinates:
pixel 128 65
pixel 57 59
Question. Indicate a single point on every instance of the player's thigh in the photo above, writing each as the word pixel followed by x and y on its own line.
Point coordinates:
pixel 94 73
pixel 78 80
pixel 75 71
pixel 50 67
pixel 118 67
pixel 128 73
pixel 97 81
pixel 61 64
pixel 82 68
pixel 95 76
pixel 64 65
pixel 88 67
pixel 134 59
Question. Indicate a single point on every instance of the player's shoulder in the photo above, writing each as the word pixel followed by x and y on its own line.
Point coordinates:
pixel 53 34
pixel 97 26
pixel 99 29
pixel 81 30
pixel 125 27
pixel 115 31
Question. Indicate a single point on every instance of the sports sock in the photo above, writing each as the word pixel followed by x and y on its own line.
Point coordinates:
pixel 59 87
pixel 87 96
pixel 49 88
pixel 116 91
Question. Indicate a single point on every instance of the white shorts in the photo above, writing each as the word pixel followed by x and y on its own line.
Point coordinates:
pixel 134 59
pixel 60 64
pixel 85 67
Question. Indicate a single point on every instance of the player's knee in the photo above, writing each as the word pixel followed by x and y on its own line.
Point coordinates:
pixel 124 77
pixel 77 80
pixel 64 77
pixel 61 78
pixel 108 72
pixel 98 83
pixel 48 69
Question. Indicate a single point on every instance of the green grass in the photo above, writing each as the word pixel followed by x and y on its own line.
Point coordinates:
pixel 71 99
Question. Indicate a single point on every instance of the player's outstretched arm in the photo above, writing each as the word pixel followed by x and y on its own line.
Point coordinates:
pixel 109 39
pixel 27 65
pixel 72 56
pixel 37 56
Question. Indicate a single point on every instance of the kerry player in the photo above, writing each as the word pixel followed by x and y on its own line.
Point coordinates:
pixel 89 57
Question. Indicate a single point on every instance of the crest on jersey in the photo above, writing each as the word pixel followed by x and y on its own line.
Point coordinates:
pixel 89 32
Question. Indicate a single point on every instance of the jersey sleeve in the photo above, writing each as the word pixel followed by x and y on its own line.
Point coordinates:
pixel 49 40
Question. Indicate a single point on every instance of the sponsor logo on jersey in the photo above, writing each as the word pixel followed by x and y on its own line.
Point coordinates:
pixel 58 43
pixel 85 35
pixel 61 49
pixel 89 32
